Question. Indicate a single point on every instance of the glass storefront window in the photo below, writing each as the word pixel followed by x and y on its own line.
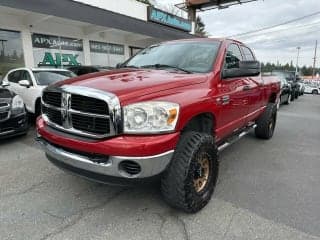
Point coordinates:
pixel 106 54
pixel 11 52
pixel 57 52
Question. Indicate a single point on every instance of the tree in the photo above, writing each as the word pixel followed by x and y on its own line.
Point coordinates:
pixel 269 67
pixel 200 28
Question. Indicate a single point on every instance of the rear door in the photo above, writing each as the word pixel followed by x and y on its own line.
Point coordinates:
pixel 252 88
pixel 232 98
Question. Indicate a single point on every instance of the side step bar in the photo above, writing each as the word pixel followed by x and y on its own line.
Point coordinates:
pixel 234 138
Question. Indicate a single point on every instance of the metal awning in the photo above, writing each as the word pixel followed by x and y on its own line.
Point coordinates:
pixel 204 5
pixel 84 13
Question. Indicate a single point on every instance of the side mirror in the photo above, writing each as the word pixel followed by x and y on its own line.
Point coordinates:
pixel 5 84
pixel 24 83
pixel 246 69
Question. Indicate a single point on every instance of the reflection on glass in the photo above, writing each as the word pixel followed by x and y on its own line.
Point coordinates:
pixel 45 78
pixel 11 53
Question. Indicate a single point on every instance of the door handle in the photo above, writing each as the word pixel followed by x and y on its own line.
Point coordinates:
pixel 223 100
pixel 246 87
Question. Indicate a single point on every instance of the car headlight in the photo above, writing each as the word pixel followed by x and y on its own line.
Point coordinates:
pixel 150 117
pixel 17 105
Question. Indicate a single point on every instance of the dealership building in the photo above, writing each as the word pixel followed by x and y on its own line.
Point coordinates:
pixel 46 33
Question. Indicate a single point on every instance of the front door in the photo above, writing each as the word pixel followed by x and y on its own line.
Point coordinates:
pixel 13 79
pixel 24 92
pixel 232 97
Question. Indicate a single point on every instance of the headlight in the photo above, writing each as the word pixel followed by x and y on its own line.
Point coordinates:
pixel 150 117
pixel 17 105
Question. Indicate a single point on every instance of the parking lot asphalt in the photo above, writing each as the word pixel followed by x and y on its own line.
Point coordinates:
pixel 266 190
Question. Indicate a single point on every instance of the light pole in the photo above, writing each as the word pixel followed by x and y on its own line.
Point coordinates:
pixel 297 61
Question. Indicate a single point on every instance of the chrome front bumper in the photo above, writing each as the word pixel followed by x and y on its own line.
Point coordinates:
pixel 150 165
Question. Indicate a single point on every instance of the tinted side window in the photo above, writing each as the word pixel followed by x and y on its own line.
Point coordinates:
pixel 247 54
pixel 14 77
pixel 233 57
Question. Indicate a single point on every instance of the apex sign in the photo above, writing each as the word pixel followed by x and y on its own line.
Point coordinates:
pixel 58 59
pixel 168 19
pixel 57 51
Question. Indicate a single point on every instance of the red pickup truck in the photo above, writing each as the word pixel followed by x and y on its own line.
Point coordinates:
pixel 165 113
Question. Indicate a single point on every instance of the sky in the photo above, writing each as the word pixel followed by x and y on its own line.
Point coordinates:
pixel 276 44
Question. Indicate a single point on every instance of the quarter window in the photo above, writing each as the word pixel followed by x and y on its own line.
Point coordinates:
pixel 247 54
pixel 233 57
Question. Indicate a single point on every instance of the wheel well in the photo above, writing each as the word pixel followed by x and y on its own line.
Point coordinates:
pixel 273 98
pixel 37 106
pixel 203 122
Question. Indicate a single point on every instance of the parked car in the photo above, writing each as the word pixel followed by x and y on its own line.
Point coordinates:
pixel 13 117
pixel 286 91
pixel 311 89
pixel 166 113
pixel 29 83
pixel 293 80
pixel 81 70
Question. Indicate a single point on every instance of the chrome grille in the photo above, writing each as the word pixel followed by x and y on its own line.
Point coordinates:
pixel 90 124
pixel 3 105
pixel 88 104
pixel 82 111
pixel 53 114
pixel 52 98
pixel 4 111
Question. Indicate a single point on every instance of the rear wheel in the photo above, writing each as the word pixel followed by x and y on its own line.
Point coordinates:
pixel 267 122
pixel 315 92
pixel 190 179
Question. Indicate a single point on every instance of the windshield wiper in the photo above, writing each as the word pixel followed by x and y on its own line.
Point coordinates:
pixel 129 66
pixel 158 66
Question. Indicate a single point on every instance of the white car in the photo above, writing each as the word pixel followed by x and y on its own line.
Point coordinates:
pixel 311 89
pixel 29 83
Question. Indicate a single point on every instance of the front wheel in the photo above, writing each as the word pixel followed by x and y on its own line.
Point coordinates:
pixel 315 92
pixel 267 122
pixel 189 181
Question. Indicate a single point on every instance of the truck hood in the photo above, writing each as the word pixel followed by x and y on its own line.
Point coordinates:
pixel 130 84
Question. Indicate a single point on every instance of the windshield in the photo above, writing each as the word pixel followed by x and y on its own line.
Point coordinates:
pixel 45 78
pixel 190 57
